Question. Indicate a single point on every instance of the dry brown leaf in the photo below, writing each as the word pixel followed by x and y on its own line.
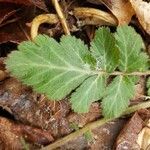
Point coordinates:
pixel 142 10
pixel 93 16
pixel 12 132
pixel 8 35
pixel 6 13
pixel 24 2
pixel 121 9
pixel 82 119
pixel 144 137
pixel 129 134
pixel 29 108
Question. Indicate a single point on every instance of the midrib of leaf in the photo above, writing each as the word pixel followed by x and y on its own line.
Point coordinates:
pixel 63 60
pixel 132 63
pixel 77 54
pixel 69 74
pixel 118 89
pixel 72 68
pixel 57 55
pixel 89 88
pixel 104 49
pixel 52 79
pixel 104 55
pixel 69 67
pixel 74 79
pixel 132 48
pixel 125 53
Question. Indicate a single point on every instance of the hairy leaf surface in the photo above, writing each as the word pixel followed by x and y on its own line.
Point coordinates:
pixel 91 90
pixel 58 68
pixel 51 68
pixel 117 97
pixel 105 51
pixel 130 45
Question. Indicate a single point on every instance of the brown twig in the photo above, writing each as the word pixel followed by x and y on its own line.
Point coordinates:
pixel 61 17
pixel 88 16
pixel 92 126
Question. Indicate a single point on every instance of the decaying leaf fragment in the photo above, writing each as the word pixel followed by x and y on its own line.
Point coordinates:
pixel 91 16
pixel 121 9
pixel 144 137
pixel 142 10
pixel 129 134
pixel 11 135
pixel 87 16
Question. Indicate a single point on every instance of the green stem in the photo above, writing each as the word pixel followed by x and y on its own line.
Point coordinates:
pixel 125 73
pixel 92 126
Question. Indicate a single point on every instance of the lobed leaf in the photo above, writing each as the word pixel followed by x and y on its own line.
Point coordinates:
pixel 117 97
pixel 130 46
pixel 91 90
pixel 57 68
pixel 105 51
pixel 51 68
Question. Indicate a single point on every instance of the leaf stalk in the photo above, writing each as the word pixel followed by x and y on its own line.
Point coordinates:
pixel 116 73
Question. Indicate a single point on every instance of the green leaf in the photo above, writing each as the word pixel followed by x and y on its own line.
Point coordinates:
pixel 70 43
pixel 117 97
pixel 91 90
pixel 130 45
pixel 51 68
pixel 105 51
pixel 58 68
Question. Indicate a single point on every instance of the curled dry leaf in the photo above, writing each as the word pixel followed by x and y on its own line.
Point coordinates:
pixel 93 16
pixel 121 9
pixel 144 137
pixel 88 16
pixel 142 10
pixel 44 18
